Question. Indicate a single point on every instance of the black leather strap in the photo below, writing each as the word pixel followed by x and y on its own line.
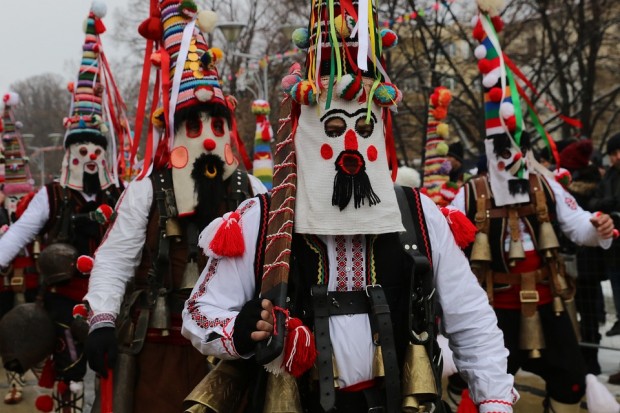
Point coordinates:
pixel 380 312
pixel 321 307
pixel 348 302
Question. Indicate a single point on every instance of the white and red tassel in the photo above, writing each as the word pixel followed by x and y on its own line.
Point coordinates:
pixel 299 348
pixel 228 239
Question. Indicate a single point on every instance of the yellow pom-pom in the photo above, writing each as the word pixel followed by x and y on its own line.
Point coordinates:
pixel 158 118
pixel 217 53
pixel 443 130
pixel 442 149
pixel 341 26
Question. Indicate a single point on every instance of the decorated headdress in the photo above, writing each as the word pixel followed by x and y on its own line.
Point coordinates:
pixel 262 166
pixel 17 178
pixel 507 144
pixel 342 122
pixel 97 125
pixel 436 165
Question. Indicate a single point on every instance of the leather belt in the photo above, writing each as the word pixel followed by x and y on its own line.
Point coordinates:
pixel 522 211
pixel 321 305
pixel 348 302
pixel 539 275
pixel 381 322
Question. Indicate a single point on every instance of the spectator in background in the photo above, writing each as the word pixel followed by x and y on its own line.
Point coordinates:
pixel 589 269
pixel 607 199
pixel 455 156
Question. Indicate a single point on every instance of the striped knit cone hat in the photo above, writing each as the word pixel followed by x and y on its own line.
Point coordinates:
pixel 506 143
pixel 343 137
pixel 263 161
pixel 86 139
pixel 17 178
pixel 436 165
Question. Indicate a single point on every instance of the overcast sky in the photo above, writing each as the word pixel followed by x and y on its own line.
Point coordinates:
pixel 43 36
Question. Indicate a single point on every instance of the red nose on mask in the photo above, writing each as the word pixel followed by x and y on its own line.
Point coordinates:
pixel 93 156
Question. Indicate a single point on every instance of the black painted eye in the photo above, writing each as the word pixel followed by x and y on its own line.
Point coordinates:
pixel 217 125
pixel 83 151
pixel 506 154
pixel 364 129
pixel 335 127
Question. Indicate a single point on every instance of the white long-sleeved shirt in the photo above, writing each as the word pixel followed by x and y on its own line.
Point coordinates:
pixel 26 228
pixel 574 221
pixel 227 284
pixel 121 249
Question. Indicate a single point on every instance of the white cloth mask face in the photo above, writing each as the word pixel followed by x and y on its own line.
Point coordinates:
pixel 84 159
pixel 507 186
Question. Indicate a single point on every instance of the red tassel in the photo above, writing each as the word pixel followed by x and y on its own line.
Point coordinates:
pixel 463 230
pixel 44 403
pixel 61 387
pixel 265 135
pixel 99 26
pixel 466 405
pixel 46 380
pixel 23 203
pixel 228 240
pixel 299 348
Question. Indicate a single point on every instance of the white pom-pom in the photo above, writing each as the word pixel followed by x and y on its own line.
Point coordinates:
pixel 506 109
pixel 203 94
pixel 18 125
pixel 480 52
pixel 76 387
pixel 599 398
pixel 99 8
pixel 206 20
pixel 491 7
pixel 11 99
pixel 490 79
pixel 408 177
pixel 345 82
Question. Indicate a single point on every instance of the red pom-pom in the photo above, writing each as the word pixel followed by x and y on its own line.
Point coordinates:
pixel 80 311
pixel 467 404
pixel 439 112
pixel 6 98
pixel 299 348
pixel 106 211
pixel 485 66
pixel 511 123
pixel 463 230
pixel 151 29
pixel 435 99
pixel 388 39
pixel 498 23
pixel 44 403
pixel 70 87
pixel 478 31
pixel 228 240
pixel 495 94
pixel 99 26
pixel 84 264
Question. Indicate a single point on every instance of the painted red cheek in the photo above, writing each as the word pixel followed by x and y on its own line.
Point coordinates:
pixel 350 140
pixel 75 161
pixel 372 153
pixel 501 166
pixel 209 144
pixel 327 152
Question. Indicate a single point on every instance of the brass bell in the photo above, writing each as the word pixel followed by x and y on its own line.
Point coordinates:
pixel 190 276
pixel 481 250
pixel 419 385
pixel 558 305
pixel 173 229
pixel 531 335
pixel 282 394
pixel 571 310
pixel 516 252
pixel 336 373
pixel 160 319
pixel 378 368
pixel 547 239
pixel 36 248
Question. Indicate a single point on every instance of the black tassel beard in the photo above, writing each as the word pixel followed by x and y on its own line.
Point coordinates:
pixel 90 183
pixel 210 191
pixel 518 186
pixel 357 186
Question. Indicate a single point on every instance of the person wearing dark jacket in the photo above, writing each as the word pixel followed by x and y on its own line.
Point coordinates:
pixel 607 199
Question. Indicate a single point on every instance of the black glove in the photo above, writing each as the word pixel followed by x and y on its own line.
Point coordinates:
pixel 245 325
pixel 101 350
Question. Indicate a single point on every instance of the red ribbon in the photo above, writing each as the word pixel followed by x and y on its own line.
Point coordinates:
pixel 389 143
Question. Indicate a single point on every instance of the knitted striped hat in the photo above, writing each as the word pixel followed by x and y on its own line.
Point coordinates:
pixel 199 82
pixel 263 161
pixel 85 123
pixel 17 177
pixel 436 165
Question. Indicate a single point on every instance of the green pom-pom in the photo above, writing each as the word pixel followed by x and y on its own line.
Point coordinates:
pixel 301 38
pixel 442 149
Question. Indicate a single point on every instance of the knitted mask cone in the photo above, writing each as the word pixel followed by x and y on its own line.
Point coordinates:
pixel 343 139
pixel 195 126
pixel 17 178
pixel 96 117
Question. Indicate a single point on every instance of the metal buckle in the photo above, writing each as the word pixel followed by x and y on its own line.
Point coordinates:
pixel 371 286
pixel 528 296
pixel 377 409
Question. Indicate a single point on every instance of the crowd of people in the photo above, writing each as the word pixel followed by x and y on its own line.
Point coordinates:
pixel 313 284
